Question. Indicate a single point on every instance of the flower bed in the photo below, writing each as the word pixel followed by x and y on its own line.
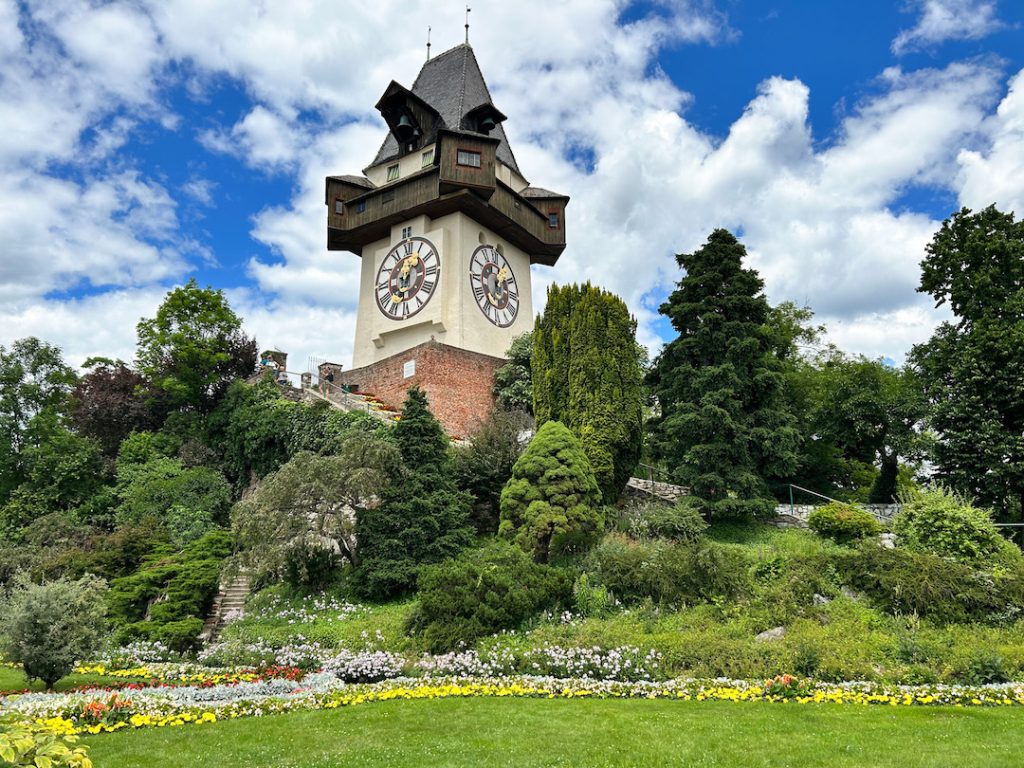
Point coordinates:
pixel 85 712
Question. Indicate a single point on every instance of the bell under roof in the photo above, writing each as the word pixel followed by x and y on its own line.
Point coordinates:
pixel 452 84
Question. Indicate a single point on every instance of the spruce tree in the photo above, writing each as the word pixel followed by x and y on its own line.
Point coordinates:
pixel 724 428
pixel 586 374
pixel 550 504
pixel 421 517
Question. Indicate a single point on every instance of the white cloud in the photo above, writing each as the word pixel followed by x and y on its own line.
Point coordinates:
pixel 942 20
pixel 996 174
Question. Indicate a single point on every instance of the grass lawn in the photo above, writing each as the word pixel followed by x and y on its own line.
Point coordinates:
pixel 541 732
pixel 14 680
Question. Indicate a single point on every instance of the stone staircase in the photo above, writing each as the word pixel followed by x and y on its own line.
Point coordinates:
pixel 229 603
pixel 352 401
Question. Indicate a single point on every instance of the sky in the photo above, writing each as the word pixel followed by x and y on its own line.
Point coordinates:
pixel 143 143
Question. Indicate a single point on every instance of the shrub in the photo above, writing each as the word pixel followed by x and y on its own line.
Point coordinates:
pixel 484 592
pixel 25 744
pixel 151 489
pixel 589 599
pixel 656 519
pixel 667 572
pixel 944 523
pixel 843 523
pixel 51 626
pixel 902 581
pixel 549 506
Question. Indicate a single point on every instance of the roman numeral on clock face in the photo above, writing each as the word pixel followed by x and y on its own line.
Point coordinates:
pixel 407 277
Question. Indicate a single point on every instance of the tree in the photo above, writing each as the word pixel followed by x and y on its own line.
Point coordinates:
pixel 421 518
pixel 724 427
pixel 484 465
pixel 112 401
pixel 49 627
pixel 972 369
pixel 310 505
pixel 513 382
pixel 34 383
pixel 550 506
pixel 586 374
pixel 194 347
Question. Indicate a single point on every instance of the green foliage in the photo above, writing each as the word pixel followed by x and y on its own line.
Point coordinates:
pixel 27 745
pixel 843 523
pixel 586 375
pixel 289 526
pixel 154 488
pixel 170 595
pixel 972 369
pixel 194 347
pixel 484 592
pixel 724 427
pixel 108 555
pixel 856 414
pixel 647 519
pixel 513 382
pixel 668 573
pixel 550 504
pixel 48 627
pixel 483 465
pixel 591 599
pixel 907 582
pixel 421 517
pixel 944 523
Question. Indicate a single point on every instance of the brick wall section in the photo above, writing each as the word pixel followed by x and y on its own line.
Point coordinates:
pixel 457 382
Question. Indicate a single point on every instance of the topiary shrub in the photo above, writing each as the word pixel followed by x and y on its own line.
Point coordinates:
pixel 668 572
pixel 944 523
pixel 484 592
pixel 843 523
pixel 550 505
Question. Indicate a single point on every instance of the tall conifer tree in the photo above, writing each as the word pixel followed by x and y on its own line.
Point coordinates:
pixel 586 375
pixel 422 518
pixel 724 428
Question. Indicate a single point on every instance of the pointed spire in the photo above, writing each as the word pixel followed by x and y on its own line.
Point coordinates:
pixel 468 9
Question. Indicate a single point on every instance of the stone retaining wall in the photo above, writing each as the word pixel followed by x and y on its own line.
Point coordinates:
pixel 796 515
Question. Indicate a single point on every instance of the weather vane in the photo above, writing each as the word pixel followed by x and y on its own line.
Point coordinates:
pixel 428 43
pixel 468 9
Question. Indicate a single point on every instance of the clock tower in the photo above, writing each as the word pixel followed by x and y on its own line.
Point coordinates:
pixel 447 228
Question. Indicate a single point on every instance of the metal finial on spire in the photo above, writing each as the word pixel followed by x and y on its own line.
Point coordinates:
pixel 468 9
pixel 428 43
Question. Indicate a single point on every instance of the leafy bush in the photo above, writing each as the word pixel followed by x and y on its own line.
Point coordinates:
pixel 906 582
pixel 667 572
pixel 944 523
pixel 23 744
pixel 656 519
pixel 153 488
pixel 843 523
pixel 51 626
pixel 484 592
pixel 589 599
pixel 549 506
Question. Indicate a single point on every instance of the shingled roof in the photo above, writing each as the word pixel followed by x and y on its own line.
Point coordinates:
pixel 453 84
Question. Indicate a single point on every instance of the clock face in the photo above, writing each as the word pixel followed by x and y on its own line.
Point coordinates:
pixel 494 286
pixel 407 278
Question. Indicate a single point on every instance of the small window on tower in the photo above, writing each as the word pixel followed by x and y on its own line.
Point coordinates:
pixel 428 157
pixel 339 206
pixel 361 206
pixel 553 219
pixel 392 172
pixel 466 157
pixel 406 232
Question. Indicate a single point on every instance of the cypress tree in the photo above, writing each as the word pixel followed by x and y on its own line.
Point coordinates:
pixel 422 518
pixel 724 428
pixel 586 374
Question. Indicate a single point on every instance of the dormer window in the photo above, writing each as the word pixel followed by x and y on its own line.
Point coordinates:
pixel 428 157
pixel 393 172
pixel 339 206
pixel 553 219
pixel 468 157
